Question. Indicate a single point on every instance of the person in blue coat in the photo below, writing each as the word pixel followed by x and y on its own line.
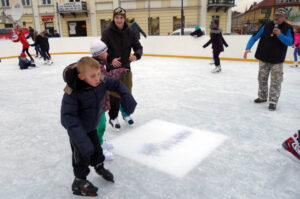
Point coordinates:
pixel 80 114
pixel 24 63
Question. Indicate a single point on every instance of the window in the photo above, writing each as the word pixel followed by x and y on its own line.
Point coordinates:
pixel 216 19
pixel 46 2
pixel 74 0
pixel 8 25
pixel 26 2
pixel 5 3
pixel 104 24
pixel 153 26
pixel 176 23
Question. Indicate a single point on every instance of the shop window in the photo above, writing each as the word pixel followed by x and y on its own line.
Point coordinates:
pixel 216 19
pixel 176 23
pixel 77 28
pixel 26 2
pixel 104 24
pixel 46 2
pixel 5 3
pixel 153 25
pixel 8 25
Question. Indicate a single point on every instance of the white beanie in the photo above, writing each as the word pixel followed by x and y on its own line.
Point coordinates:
pixel 98 47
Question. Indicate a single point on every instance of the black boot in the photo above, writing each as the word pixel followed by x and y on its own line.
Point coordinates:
pixel 272 107
pixel 105 173
pixel 258 100
pixel 83 188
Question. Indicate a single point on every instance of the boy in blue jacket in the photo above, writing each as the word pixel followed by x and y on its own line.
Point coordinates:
pixel 24 63
pixel 80 114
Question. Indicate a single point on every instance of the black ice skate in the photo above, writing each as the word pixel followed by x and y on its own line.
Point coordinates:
pixel 84 188
pixel 105 173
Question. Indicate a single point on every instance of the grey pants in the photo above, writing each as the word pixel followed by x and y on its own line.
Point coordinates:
pixel 276 79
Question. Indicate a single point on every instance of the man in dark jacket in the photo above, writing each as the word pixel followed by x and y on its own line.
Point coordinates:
pixel 80 114
pixel 137 29
pixel 274 36
pixel 120 39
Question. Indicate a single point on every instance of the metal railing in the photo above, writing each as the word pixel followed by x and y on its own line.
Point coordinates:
pixel 220 2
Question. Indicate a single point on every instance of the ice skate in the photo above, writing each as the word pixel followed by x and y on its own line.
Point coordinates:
pixel 109 156
pixel 114 123
pixel 105 173
pixel 84 188
pixel 217 69
pixel 295 65
pixel 107 145
pixel 129 120
pixel 290 148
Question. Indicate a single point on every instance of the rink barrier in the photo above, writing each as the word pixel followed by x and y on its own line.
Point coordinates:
pixel 154 55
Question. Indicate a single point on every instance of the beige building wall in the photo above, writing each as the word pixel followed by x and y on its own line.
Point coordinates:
pixel 164 9
pixel 222 17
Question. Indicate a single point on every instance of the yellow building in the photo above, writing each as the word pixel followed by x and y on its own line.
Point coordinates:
pixel 91 17
pixel 260 13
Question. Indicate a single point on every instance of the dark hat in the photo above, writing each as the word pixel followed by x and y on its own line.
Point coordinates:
pixel 120 11
pixel 282 11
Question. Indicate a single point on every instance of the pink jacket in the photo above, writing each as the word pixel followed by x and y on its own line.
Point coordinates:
pixel 296 40
pixel 116 73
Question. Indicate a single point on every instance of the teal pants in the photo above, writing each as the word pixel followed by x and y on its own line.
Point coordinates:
pixel 123 112
pixel 101 128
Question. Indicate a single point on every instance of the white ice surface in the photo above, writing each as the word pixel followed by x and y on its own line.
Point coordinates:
pixel 168 147
pixel 36 157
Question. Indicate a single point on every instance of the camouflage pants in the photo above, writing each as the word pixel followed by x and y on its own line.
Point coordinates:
pixel 276 79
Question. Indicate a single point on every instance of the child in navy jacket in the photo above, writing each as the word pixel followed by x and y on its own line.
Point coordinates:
pixel 80 114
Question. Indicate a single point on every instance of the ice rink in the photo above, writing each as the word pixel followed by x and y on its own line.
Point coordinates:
pixel 35 151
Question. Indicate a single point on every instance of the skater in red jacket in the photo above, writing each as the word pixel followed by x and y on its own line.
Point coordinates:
pixel 22 39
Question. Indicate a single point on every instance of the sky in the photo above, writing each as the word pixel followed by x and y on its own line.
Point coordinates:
pixel 241 4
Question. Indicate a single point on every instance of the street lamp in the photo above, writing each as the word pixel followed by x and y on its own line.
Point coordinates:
pixel 182 19
pixel 149 19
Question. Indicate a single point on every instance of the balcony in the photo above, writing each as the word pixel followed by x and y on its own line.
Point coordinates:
pixel 218 4
pixel 72 8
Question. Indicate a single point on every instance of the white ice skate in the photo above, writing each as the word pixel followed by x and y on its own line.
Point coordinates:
pixel 217 69
pixel 109 156
pixel 107 145
pixel 45 62
pixel 129 120
pixel 115 124
pixel 50 62
pixel 295 65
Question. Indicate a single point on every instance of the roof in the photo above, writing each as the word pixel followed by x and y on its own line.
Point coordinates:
pixel 272 3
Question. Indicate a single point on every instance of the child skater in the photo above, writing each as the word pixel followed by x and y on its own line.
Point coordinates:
pixel 217 41
pixel 296 45
pixel 24 63
pixel 99 52
pixel 80 114
pixel 25 44
pixel 42 41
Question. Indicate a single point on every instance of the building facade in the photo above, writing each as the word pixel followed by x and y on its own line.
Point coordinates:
pixel 260 13
pixel 91 17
